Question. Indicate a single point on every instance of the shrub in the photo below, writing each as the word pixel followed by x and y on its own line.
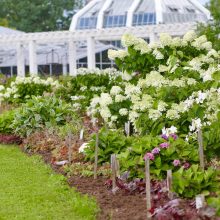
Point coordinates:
pixel 24 88
pixel 88 83
pixel 6 119
pixel 41 112
pixel 193 181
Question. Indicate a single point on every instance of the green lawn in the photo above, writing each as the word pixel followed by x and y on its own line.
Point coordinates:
pixel 30 190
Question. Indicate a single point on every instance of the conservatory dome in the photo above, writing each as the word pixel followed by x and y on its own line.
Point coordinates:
pixel 127 13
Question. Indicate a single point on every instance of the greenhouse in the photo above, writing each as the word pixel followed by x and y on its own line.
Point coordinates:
pixel 94 29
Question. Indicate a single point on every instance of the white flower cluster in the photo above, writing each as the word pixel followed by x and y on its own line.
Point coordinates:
pixel 121 54
pixel 169 131
pixel 12 91
pixel 155 79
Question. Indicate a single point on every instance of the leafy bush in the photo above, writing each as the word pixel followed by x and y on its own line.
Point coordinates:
pixel 110 142
pixel 6 119
pixel 193 181
pixel 165 154
pixel 176 83
pixel 41 112
pixel 24 88
pixel 81 89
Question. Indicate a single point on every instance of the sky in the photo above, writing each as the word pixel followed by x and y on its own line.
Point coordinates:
pixel 203 1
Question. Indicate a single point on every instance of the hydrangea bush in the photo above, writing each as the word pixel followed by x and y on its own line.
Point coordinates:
pixel 175 82
pixel 87 84
pixel 24 88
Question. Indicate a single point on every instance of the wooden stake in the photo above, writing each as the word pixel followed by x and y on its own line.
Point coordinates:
pixel 148 187
pixel 201 150
pixel 113 167
pixel 69 145
pixel 96 155
pixel 169 184
pixel 128 128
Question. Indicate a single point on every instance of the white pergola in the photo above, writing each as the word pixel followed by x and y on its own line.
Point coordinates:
pixel 31 40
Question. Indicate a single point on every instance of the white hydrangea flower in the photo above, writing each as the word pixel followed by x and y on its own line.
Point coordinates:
pixel 162 106
pixel 172 114
pixel 123 112
pixel 115 90
pixel 2 88
pixel 165 39
pixel 121 54
pixel 158 55
pixel 154 114
pixel 201 97
pixel 196 125
pixel 105 99
pixel 120 98
pixel 168 131
pixel 190 36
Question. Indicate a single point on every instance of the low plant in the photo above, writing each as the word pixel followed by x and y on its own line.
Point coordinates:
pixel 86 170
pixel 110 142
pixel 6 119
pixel 193 181
pixel 215 202
pixel 41 112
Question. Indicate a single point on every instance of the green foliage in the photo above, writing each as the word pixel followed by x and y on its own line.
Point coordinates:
pixel 6 119
pixel 40 112
pixel 82 88
pixel 131 151
pixel 86 170
pixel 215 202
pixel 132 158
pixel 194 181
pixel 110 142
pixel 36 192
pixel 212 29
pixel 29 16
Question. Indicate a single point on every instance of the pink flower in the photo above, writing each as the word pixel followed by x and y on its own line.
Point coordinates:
pixel 174 136
pixel 186 165
pixel 156 150
pixel 149 156
pixel 164 145
pixel 164 137
pixel 176 163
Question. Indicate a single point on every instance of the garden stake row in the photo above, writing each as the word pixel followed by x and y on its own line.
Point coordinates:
pixel 148 187
pixel 201 150
pixel 169 184
pixel 96 155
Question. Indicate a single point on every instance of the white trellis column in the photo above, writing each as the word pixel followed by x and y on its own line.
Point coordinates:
pixel 33 58
pixel 20 60
pixel 64 64
pixel 72 58
pixel 91 52
pixel 153 38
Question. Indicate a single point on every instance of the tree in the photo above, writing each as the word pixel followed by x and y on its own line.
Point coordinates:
pixel 37 15
pixel 212 29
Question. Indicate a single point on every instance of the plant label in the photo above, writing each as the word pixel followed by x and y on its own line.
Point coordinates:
pixel 81 134
pixel 200 201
